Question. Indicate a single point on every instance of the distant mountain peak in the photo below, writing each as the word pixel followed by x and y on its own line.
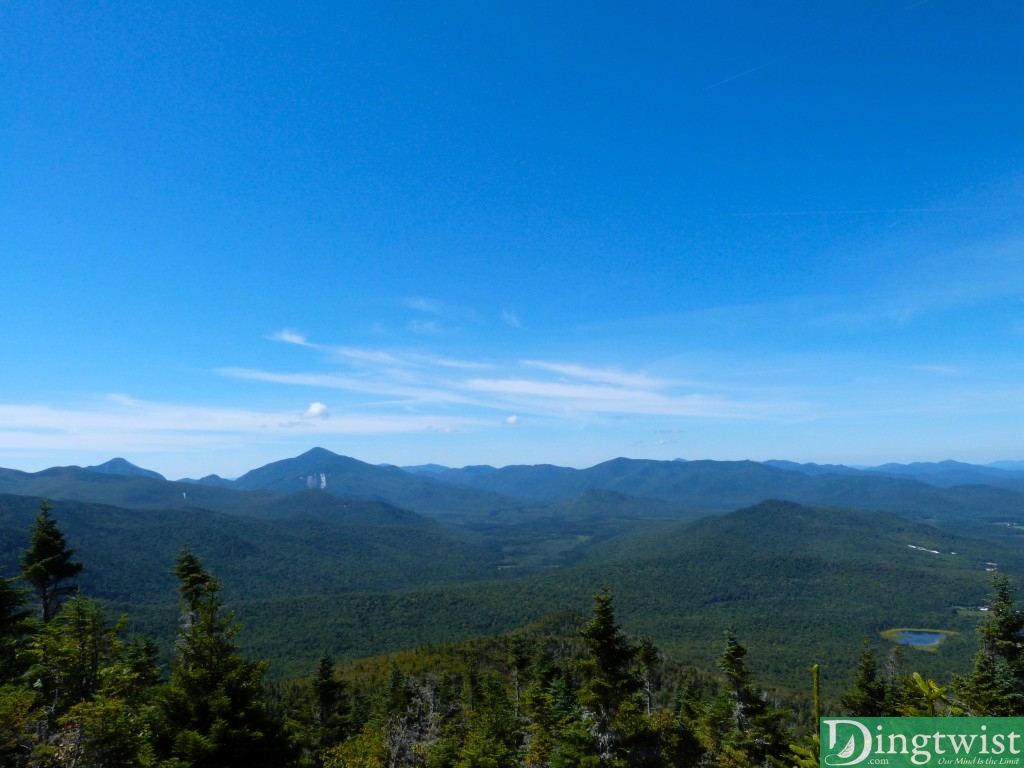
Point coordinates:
pixel 423 469
pixel 319 454
pixel 119 466
pixel 214 481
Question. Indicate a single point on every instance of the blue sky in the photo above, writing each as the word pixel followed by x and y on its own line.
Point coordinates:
pixel 507 233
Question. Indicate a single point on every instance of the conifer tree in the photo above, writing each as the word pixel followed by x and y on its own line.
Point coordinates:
pixel 648 656
pixel 807 754
pixel 94 704
pixel 518 659
pixel 608 678
pixel 329 706
pixel 12 627
pixel 995 686
pixel 20 714
pixel 47 565
pixel 608 673
pixel 548 699
pixel 990 690
pixel 740 726
pixel 70 651
pixel 492 740
pixel 1001 632
pixel 868 697
pixel 213 714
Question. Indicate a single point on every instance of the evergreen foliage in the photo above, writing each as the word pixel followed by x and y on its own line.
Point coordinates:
pixel 608 678
pixel 299 584
pixel 322 717
pixel 869 696
pixel 213 714
pixel 995 686
pixel 47 565
pixel 13 627
pixel 740 726
pixel 569 692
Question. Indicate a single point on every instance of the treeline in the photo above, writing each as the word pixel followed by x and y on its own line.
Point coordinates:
pixel 76 692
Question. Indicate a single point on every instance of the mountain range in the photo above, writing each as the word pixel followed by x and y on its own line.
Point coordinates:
pixel 323 550
pixel 529 481
pixel 961 497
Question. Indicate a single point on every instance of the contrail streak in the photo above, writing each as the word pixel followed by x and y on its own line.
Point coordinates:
pixel 854 211
pixel 749 71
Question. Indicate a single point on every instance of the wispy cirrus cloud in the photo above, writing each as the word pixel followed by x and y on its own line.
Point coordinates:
pixel 430 306
pixel 552 388
pixel 940 370
pixel 934 283
pixel 378 386
pixel 449 362
pixel 607 375
pixel 343 352
pixel 437 318
pixel 426 327
pixel 349 354
pixel 377 392
pixel 553 397
pixel 124 424
pixel 365 355
pixel 290 337
pixel 440 309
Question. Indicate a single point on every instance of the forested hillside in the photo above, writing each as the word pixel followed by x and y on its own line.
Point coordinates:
pixel 76 689
pixel 810 582
pixel 323 546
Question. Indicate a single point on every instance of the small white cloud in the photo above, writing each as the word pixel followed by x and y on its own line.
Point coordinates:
pixel 316 411
pixel 511 318
pixel 512 420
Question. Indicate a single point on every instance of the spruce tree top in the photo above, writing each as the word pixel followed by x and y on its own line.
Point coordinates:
pixel 46 565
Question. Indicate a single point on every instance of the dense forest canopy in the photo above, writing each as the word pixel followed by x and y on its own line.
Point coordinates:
pixel 78 689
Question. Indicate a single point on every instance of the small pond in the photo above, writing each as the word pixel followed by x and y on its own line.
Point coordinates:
pixel 920 638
